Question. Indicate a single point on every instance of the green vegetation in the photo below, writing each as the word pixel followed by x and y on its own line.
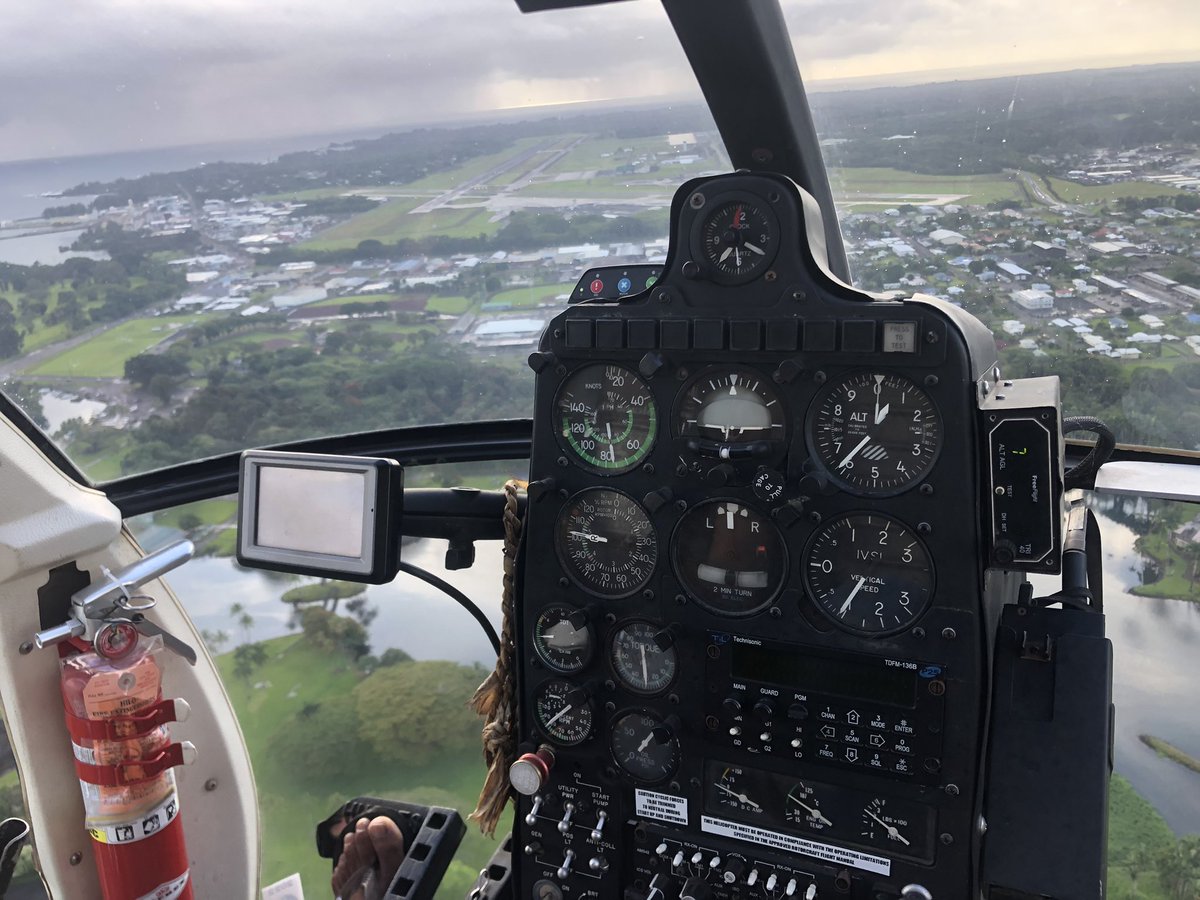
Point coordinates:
pixel 303 711
pixel 1070 192
pixel 530 296
pixel 323 591
pixel 104 356
pixel 893 187
pixel 1137 835
pixel 394 221
pixel 1170 751
pixel 1174 570
pixel 454 306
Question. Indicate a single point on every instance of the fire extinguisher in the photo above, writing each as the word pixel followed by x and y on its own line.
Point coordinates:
pixel 111 683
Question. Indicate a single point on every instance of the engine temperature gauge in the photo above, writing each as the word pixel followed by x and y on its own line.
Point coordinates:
pixel 804 808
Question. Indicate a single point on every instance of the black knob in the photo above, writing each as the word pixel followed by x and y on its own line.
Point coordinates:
pixel 764 709
pixel 664 639
pixel 732 705
pixel 798 712
pixel 733 870
pixel 655 500
pixel 768 485
pixel 539 360
pixel 718 476
pixel 695 889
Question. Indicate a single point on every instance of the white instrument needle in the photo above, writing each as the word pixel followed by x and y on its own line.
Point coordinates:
pixel 892 831
pixel 725 255
pixel 646 743
pixel 754 249
pixel 881 414
pixel 853 453
pixel 858 587
pixel 594 538
pixel 645 671
pixel 558 715
pixel 812 811
pixel 741 797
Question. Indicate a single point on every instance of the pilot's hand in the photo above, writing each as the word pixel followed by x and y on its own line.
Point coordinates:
pixel 371 854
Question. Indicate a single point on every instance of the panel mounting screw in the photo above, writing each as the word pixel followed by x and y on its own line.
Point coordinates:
pixel 762 155
pixel 927 490
pixel 952 790
pixel 819 377
pixel 947 839
pixel 696 200
pixel 931 337
pixel 25 648
pixel 769 276
pixel 211 784
pixel 949 634
pixel 563 462
pixel 76 858
pixel 931 381
pixel 924 528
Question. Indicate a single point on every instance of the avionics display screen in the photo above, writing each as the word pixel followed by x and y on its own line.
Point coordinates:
pixel 841 677
pixel 312 510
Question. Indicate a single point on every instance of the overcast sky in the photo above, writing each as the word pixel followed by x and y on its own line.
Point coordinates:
pixel 87 76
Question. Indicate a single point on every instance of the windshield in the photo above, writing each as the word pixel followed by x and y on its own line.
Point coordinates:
pixel 226 225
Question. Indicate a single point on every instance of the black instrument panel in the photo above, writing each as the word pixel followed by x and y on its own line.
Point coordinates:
pixel 766 538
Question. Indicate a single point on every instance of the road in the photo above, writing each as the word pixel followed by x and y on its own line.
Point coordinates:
pixel 1034 185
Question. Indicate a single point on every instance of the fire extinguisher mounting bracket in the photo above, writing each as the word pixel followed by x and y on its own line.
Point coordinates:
pixel 135 772
pixel 122 728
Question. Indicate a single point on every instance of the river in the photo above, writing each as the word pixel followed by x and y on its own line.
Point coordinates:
pixel 1156 644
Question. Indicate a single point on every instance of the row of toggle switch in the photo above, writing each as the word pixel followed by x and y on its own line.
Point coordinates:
pixel 735 867
pixel 564 824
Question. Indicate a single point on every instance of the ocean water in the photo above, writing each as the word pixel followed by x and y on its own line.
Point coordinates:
pixel 23 182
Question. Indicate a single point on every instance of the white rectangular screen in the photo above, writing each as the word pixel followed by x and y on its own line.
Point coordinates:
pixel 312 510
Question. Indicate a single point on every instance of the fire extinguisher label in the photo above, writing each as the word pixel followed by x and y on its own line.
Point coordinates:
pixel 168 890
pixel 154 821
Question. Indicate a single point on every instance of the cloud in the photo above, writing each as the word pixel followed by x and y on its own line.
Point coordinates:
pixel 85 76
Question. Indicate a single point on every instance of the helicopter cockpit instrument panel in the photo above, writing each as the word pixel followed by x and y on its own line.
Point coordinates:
pixel 753 655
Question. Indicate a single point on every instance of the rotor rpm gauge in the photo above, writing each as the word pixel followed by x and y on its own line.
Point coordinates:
pixel 606 543
pixel 606 418
pixel 644 746
pixel 564 712
pixel 729 557
pixel 868 573
pixel 562 639
pixel 875 433
pixel 642 657
pixel 737 239
pixel 730 412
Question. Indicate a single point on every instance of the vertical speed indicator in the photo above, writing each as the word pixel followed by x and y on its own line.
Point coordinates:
pixel 606 418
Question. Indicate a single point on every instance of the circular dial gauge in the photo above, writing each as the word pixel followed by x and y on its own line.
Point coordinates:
pixel 730 412
pixel 869 573
pixel 875 433
pixel 738 240
pixel 729 557
pixel 606 542
pixel 606 418
pixel 564 712
pixel 734 789
pixel 803 808
pixel 644 746
pixel 881 826
pixel 642 657
pixel 562 639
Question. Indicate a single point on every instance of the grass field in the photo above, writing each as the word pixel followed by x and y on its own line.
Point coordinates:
pixel 454 306
pixel 855 185
pixel 291 803
pixel 531 296
pixel 394 220
pixel 104 355
pixel 606 153
pixel 1070 192
pixel 601 188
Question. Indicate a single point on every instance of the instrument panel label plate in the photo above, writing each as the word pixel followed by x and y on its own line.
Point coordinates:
pixel 824 852
pixel 663 807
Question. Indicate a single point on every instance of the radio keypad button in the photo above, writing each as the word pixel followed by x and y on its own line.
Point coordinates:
pixel 901 765
pixel 852 736
pixel 826 751
pixel 829 732
pixel 877 740
pixel 903 746
pixel 903 727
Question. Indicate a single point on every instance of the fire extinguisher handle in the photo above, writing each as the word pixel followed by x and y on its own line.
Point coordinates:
pixel 99 598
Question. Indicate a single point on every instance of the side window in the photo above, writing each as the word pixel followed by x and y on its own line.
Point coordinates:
pixel 343 689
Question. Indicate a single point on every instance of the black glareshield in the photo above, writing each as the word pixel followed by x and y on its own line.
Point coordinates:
pixel 320 514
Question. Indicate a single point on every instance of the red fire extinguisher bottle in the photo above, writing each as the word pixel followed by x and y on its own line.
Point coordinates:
pixel 112 697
